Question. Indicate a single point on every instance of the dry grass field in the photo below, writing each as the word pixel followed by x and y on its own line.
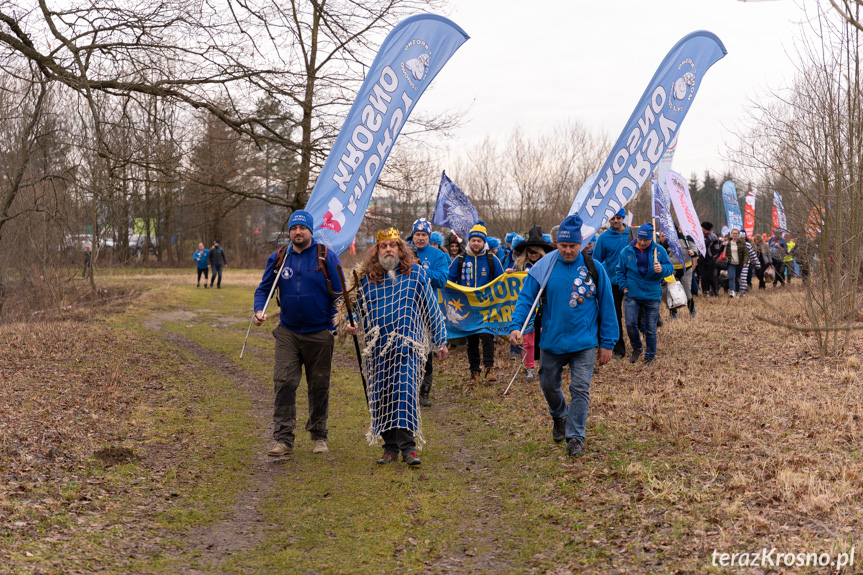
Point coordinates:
pixel 131 440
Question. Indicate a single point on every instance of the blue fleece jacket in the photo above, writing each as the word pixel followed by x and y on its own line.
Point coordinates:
pixel 569 328
pixel 436 264
pixel 200 257
pixel 306 304
pixel 474 272
pixel 646 287
pixel 607 250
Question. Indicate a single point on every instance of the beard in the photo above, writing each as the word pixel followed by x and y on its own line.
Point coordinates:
pixel 389 263
pixel 302 241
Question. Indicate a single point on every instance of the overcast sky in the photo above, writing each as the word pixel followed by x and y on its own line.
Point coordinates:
pixel 540 63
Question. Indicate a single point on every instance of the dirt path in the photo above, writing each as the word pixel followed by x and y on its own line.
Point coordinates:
pixel 244 525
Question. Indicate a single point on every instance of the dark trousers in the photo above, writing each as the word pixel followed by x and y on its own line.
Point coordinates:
pixel 487 350
pixel 426 386
pixel 398 440
pixel 707 273
pixel 295 351
pixel 779 276
pixel 217 270
pixel 202 271
pixel 759 273
pixel 620 344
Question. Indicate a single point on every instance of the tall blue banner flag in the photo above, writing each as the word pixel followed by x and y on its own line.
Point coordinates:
pixel 453 209
pixel 662 213
pixel 408 60
pixel 653 124
pixel 732 206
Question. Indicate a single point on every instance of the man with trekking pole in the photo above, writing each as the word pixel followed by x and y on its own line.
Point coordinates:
pixel 304 337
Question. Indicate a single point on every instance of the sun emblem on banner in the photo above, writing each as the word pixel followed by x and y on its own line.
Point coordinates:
pixel 416 68
pixel 683 88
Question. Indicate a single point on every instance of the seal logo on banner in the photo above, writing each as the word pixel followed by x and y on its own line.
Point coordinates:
pixel 458 310
pixel 416 68
pixel 684 87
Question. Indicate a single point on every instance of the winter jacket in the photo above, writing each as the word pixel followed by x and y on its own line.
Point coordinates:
pixel 607 250
pixel 742 252
pixel 645 287
pixel 569 327
pixel 217 257
pixel 475 271
pixel 305 302
pixel 202 258
pixel 436 264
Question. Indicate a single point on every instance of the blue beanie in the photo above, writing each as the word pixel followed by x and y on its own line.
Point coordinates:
pixel 509 237
pixel 570 230
pixel 301 218
pixel 478 231
pixel 436 238
pixel 546 238
pixel 421 225
pixel 493 242
pixel 645 232
pixel 517 240
pixel 621 212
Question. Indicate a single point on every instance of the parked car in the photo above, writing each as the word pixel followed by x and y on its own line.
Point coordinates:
pixel 138 243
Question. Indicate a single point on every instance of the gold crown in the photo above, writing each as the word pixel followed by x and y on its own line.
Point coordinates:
pixel 387 234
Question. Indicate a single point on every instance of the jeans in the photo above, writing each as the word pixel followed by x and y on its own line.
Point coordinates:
pixel 581 372
pixel 733 274
pixel 650 313
pixel 216 270
pixel 620 344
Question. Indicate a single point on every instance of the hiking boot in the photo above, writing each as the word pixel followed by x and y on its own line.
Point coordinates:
pixel 281 450
pixel 320 446
pixel 388 457
pixel 558 429
pixel 530 374
pixel 636 353
pixel 618 355
pixel 659 322
pixel 575 447
pixel 424 400
pixel 489 374
pixel 475 376
pixel 648 362
pixel 411 458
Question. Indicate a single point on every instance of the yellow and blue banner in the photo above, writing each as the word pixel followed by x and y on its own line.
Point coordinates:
pixel 486 309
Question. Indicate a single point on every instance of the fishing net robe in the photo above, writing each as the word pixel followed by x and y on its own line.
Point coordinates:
pixel 400 324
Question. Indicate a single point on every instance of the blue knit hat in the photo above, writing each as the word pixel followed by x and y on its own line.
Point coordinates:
pixel 436 238
pixel 517 240
pixel 570 230
pixel 301 218
pixel 645 232
pixel 493 242
pixel 546 237
pixel 421 225
pixel 509 237
pixel 478 231
pixel 621 212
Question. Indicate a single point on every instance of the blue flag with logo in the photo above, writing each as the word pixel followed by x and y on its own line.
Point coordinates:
pixel 732 206
pixel 653 124
pixel 664 221
pixel 408 60
pixel 453 209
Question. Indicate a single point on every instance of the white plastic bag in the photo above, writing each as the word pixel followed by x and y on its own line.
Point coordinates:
pixel 676 297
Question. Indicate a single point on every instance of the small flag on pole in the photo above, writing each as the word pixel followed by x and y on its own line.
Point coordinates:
pixel 453 209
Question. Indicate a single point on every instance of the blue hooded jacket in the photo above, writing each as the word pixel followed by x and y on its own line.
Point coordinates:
pixel 607 250
pixel 436 264
pixel 475 272
pixel 569 328
pixel 306 304
pixel 645 287
pixel 201 257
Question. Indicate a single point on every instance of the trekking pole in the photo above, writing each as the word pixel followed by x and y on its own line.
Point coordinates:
pixel 518 370
pixel 349 307
pixel 269 297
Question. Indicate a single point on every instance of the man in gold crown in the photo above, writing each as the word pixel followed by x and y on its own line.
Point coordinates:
pixel 400 323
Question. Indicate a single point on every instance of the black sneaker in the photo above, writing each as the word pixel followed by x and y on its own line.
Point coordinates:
pixel 425 401
pixel 636 353
pixel 411 458
pixel 558 429
pixel 388 458
pixel 575 447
